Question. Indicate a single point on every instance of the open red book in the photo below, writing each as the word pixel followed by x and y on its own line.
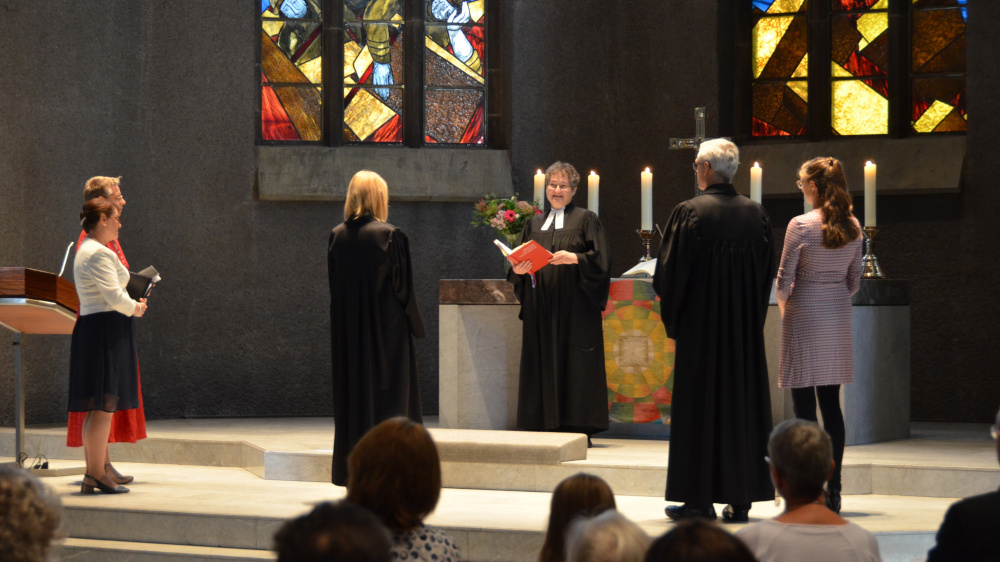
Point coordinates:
pixel 530 250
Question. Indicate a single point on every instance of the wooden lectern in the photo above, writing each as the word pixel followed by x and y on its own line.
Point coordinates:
pixel 33 302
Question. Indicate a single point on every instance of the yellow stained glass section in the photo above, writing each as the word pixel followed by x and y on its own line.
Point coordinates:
pixel 932 117
pixel 765 38
pixel 477 9
pixel 862 44
pixel 785 6
pixel 362 61
pixel 882 5
pixel 351 52
pixel 839 71
pixel 802 70
pixel 313 70
pixel 271 27
pixel 872 25
pixel 366 113
pixel 858 109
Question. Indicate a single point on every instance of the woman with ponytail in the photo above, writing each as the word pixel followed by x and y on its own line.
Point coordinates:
pixel 820 270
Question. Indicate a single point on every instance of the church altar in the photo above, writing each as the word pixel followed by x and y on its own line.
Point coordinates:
pixel 480 348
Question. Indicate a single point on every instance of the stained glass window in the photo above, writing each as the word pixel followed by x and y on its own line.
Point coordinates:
pixel 454 62
pixel 779 45
pixel 291 70
pixel 859 67
pixel 937 66
pixel 374 59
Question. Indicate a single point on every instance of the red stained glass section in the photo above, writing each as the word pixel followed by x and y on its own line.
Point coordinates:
pixel 275 123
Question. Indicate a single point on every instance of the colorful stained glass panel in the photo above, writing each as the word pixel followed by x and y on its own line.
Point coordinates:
pixel 291 70
pixel 373 71
pixel 454 116
pixel 295 106
pixel 938 41
pixel 860 107
pixel 780 108
pixel 454 72
pixel 368 118
pixel 778 44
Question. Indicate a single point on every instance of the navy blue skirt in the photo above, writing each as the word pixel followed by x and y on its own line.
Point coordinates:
pixel 103 368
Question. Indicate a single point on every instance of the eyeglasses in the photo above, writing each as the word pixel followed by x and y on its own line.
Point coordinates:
pixel 118 219
pixel 798 183
pixel 695 164
pixel 117 197
pixel 560 186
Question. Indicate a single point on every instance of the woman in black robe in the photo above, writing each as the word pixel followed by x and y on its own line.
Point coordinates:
pixel 563 383
pixel 374 317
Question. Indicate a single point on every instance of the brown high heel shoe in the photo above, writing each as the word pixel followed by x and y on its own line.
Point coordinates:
pixel 116 476
pixel 89 488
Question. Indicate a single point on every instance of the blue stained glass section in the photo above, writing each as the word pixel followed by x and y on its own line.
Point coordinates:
pixel 762 5
pixel 264 4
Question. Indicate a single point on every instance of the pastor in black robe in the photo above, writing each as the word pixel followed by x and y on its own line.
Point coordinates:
pixel 713 277
pixel 374 317
pixel 563 384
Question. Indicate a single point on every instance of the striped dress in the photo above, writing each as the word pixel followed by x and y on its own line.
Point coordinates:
pixel 818 283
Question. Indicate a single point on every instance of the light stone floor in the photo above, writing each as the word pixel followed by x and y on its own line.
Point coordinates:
pixel 231 508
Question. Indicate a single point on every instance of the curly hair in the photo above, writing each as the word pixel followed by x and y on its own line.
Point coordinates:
pixel 30 514
pixel 827 173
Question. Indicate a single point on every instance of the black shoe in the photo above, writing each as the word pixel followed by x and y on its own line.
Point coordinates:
pixel 89 488
pixel 688 511
pixel 833 497
pixel 736 514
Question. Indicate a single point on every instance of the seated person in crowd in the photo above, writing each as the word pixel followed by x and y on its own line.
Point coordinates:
pixel 580 495
pixel 801 457
pixel 30 514
pixel 969 530
pixel 698 540
pixel 394 472
pixel 333 531
pixel 608 537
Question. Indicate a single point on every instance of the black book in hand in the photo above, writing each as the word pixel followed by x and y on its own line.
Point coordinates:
pixel 139 284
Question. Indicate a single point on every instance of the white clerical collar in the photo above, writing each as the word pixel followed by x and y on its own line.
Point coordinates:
pixel 556 214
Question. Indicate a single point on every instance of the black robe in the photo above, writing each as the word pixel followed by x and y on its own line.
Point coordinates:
pixel 714 277
pixel 374 317
pixel 563 382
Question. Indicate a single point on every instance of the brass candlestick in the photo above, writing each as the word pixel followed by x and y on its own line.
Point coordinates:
pixel 871 269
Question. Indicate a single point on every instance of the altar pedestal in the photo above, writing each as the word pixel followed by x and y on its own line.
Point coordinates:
pixel 480 351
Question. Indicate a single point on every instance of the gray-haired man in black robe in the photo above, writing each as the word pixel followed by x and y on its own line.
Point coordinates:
pixel 714 277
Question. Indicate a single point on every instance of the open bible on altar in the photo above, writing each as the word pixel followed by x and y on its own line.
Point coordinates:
pixel 530 250
pixel 139 284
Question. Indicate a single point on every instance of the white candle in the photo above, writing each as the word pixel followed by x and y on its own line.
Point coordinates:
pixel 647 200
pixel 870 194
pixel 593 184
pixel 755 186
pixel 540 189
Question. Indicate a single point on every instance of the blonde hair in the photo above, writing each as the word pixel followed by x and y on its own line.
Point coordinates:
pixel 368 194
pixel 100 186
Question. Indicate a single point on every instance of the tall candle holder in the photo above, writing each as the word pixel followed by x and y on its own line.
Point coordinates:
pixel 647 239
pixel 871 267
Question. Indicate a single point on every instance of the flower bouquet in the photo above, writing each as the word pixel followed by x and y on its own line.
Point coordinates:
pixel 505 215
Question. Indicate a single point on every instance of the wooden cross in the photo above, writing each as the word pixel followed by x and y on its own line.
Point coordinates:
pixel 695 143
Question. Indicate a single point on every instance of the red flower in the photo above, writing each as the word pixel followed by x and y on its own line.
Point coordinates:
pixel 538 211
pixel 511 216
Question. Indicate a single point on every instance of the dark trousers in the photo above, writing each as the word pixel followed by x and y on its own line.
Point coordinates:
pixel 804 402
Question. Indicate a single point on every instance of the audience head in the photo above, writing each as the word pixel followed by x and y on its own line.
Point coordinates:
pixel 608 537
pixel 723 159
pixel 801 459
pixel 368 194
pixel 697 540
pixel 334 531
pixel 29 516
pixel 394 472
pixel 579 495
pixel 106 187
pixel 826 176
pixel 94 212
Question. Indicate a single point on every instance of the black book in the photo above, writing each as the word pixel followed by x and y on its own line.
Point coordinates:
pixel 139 284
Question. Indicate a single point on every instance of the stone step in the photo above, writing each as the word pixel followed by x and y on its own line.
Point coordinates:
pixel 91 550
pixel 537 461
